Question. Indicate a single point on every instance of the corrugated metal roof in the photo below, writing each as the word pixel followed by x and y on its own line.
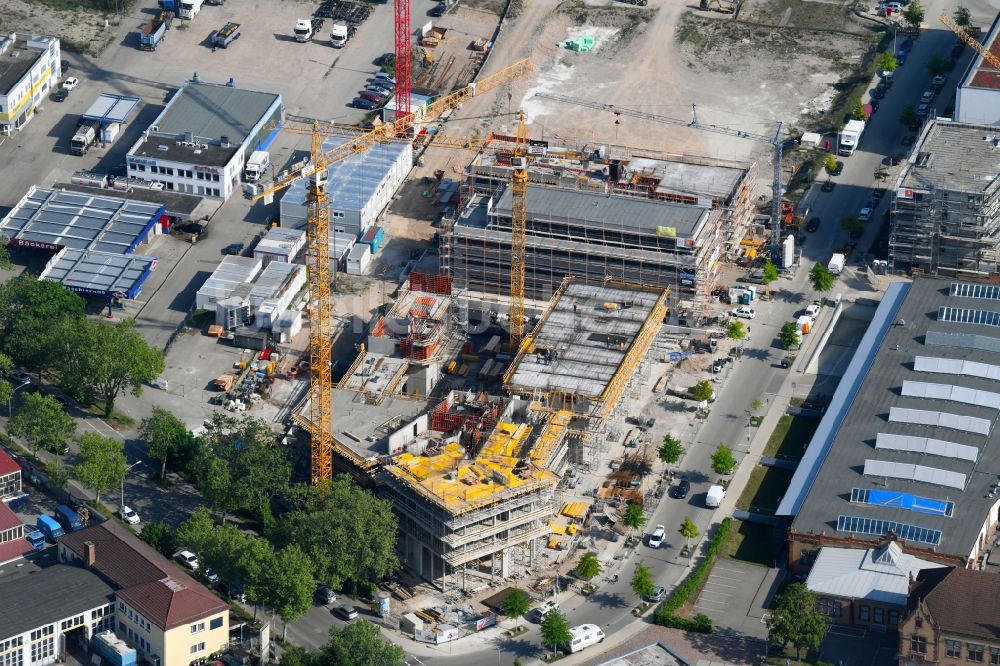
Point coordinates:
pixel 110 108
pixel 90 272
pixel 880 575
pixel 212 111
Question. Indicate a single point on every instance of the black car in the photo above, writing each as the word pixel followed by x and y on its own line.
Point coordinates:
pixel 64 66
pixel 438 9
pixel 59 95
pixel 681 490
pixel 233 249
pixel 813 224
pixel 838 169
pixel 878 92
pixel 957 50
pixel 191 228
pixel 386 59
pixel 361 103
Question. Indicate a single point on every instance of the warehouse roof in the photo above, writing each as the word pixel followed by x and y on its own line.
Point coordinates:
pixel 922 333
pixel 212 111
pixel 954 156
pixel 585 337
pixel 55 592
pixel 102 273
pixel 640 215
pixel 880 574
pixel 53 219
pixel 178 205
pixel 110 108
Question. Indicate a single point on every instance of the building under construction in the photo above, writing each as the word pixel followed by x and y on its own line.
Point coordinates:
pixel 946 203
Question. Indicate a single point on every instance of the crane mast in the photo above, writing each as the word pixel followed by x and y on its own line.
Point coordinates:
pixel 519 191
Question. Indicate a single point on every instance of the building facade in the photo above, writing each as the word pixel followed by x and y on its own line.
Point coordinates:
pixel 977 99
pixel 29 69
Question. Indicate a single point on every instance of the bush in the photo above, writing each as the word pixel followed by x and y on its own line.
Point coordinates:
pixel 665 615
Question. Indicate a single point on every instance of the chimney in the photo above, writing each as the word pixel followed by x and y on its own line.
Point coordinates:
pixel 89 554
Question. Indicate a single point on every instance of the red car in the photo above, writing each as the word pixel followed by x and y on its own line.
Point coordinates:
pixel 372 97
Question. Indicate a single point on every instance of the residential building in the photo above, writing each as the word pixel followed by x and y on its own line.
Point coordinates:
pixel 908 445
pixel 977 99
pixel 952 617
pixel 201 140
pixel 867 587
pixel 946 203
pixel 10 475
pixel 30 67
pixel 13 545
pixel 167 616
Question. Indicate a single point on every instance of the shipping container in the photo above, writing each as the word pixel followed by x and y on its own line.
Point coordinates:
pixel 114 649
pixel 110 132
pixel 373 237
pixel 359 258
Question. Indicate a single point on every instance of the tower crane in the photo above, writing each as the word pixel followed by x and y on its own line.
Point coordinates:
pixel 519 213
pixel 318 244
pixel 988 55
pixel 775 141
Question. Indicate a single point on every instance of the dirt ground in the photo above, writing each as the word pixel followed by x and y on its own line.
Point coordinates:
pixel 79 28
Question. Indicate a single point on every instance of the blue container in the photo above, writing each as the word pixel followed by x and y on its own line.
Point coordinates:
pixel 374 237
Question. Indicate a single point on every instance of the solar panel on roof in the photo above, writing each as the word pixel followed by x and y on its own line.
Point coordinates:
pixel 968 316
pixel 934 447
pixel 939 419
pixel 973 290
pixel 910 472
pixel 896 500
pixel 951 392
pixel 956 366
pixel 905 531
pixel 962 341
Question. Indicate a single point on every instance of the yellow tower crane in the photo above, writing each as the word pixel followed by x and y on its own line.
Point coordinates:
pixel 318 244
pixel 519 213
pixel 960 32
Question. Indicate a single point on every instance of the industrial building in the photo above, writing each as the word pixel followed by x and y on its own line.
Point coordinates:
pixel 110 112
pixel 243 292
pixel 946 204
pixel 95 236
pixel 908 445
pixel 977 98
pixel 280 244
pixel 360 187
pixel 201 140
pixel 30 68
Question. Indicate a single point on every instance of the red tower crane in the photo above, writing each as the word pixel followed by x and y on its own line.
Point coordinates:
pixel 402 23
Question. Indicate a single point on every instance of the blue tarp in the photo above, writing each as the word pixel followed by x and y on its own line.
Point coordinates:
pixel 892 498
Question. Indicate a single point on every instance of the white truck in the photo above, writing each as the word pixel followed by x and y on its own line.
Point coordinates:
pixel 837 262
pixel 188 9
pixel 584 636
pixel 303 30
pixel 256 166
pixel 850 137
pixel 339 34
pixel 714 496
pixel 85 137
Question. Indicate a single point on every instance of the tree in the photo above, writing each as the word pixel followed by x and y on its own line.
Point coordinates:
pixel 789 335
pixel 58 475
pixel 736 330
pixel 886 62
pixel 43 423
pixel 195 533
pixel 290 585
pixel 963 17
pixel 6 390
pixel 293 655
pixel 642 581
pixel 769 274
pixel 796 619
pixel 858 110
pixel 515 605
pixel 588 566
pixel 937 66
pixel 909 116
pixel 35 316
pixel 113 358
pixel 164 434
pixel 670 450
pixel 851 224
pixel 160 536
pixel 703 390
pixel 723 461
pixel 688 530
pixel 102 463
pixel 215 482
pixel 555 629
pixel 361 644
pixel 634 517
pixel 820 277
pixel 830 164
pixel 914 14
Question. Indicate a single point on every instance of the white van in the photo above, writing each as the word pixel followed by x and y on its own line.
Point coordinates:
pixel 544 609
pixel 583 637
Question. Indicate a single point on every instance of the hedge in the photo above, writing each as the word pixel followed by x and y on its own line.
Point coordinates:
pixel 701 623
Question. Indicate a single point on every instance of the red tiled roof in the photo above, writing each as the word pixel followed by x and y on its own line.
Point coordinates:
pixel 7 464
pixel 986 75
pixel 168 603
pixel 962 601
pixel 14 550
pixel 8 518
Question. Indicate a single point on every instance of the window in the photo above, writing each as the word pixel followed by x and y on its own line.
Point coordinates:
pixel 879 616
pixel 12 658
pixel 215 623
pixel 975 651
pixel 919 622
pixel 197 628
pixel 43 649
pixel 893 617
pixel 994 656
pixel 918 644
pixel 953 648
pixel 864 612
pixel 200 175
pixel 44 631
pixel 829 607
pixel 197 647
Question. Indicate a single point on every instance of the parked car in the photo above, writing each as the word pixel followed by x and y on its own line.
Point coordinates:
pixel 65 66
pixel 865 214
pixel 438 10
pixel 957 50
pixel 385 59
pixel 812 310
pixel 188 559
pixel 128 515
pixel 838 168
pixel 211 577
pixel 658 593
pixel 19 377
pixel 922 110
pixel 681 490
pixel 71 83
pixel 366 104
pixel 744 312
pixel 59 95
pixel 539 612
pixel 371 97
pixel 813 225
pixel 938 81
pixel 656 538
pixel 378 89
pixel 927 96
pixel 324 595
pixel 233 249
pixel 347 612
pixel 235 591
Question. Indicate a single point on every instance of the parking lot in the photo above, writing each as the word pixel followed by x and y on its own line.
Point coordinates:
pixel 734 596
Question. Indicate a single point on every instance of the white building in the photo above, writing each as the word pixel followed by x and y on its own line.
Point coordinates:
pixel 360 187
pixel 202 139
pixel 29 69
pixel 280 244
pixel 977 100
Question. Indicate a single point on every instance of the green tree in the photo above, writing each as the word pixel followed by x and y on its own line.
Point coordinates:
pixel 858 110
pixel 909 116
pixel 769 274
pixel 515 605
pixel 35 315
pixel 195 533
pixel 6 390
pixel 361 644
pixel 215 482
pixel 688 530
pixel 735 330
pixel 634 517
pixel 349 534
pixel 255 564
pixel 588 566
pixel 164 435
pixel 160 536
pixel 642 581
pixel 670 450
pixel 963 17
pixel 555 629
pixel 886 62
pixel 102 463
pixel 937 65
pixel 914 14
pixel 851 224
pixel 43 423
pixel 796 619
pixel 830 164
pixel 290 585
pixel 293 655
pixel 820 277
pixel 703 390
pixel 58 475
pixel 723 461
pixel 789 335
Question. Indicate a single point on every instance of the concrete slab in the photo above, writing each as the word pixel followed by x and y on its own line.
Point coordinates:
pixel 734 596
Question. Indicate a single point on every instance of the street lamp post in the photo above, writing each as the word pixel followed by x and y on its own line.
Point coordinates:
pixel 16 389
pixel 137 462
